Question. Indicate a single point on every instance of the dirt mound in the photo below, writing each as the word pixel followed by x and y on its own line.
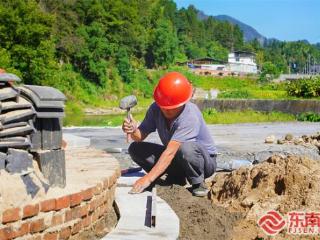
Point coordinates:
pixel 280 183
pixel 198 218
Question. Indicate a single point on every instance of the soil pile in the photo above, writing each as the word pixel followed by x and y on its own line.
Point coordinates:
pixel 198 218
pixel 280 183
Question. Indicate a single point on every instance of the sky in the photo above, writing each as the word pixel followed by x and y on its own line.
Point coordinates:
pixel 286 20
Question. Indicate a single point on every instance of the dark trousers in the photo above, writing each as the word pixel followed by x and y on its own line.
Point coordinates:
pixel 192 161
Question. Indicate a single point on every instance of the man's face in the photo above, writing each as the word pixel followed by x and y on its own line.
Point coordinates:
pixel 171 113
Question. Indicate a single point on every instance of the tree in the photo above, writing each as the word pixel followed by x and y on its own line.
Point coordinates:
pixel 216 51
pixel 164 44
pixel 268 71
pixel 26 36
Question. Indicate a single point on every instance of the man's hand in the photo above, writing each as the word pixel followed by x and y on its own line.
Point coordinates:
pixel 129 125
pixel 140 185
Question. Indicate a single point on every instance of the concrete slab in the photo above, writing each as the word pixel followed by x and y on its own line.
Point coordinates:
pixel 133 208
pixel 74 141
pixel 130 178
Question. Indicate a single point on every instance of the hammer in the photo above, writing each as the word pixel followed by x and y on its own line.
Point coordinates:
pixel 127 103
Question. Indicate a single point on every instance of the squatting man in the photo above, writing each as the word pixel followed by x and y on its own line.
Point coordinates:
pixel 188 150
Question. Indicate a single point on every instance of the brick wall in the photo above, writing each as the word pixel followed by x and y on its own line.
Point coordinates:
pixel 60 218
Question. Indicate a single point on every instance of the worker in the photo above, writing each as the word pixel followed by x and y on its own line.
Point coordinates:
pixel 188 150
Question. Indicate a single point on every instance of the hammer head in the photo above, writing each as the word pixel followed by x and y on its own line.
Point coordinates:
pixel 128 102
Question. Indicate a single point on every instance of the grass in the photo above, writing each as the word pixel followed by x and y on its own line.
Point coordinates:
pixel 211 116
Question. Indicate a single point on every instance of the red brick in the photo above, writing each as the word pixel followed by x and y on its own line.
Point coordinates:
pixel 65 233
pixel 62 202
pixel 84 210
pixel 75 199
pixel 76 212
pixel 100 200
pixel 5 233
pixel 87 194
pixel 85 222
pixel 95 216
pixel 93 205
pixel 98 189
pixel 23 230
pixel 68 216
pixel 37 226
pixel 30 211
pixel 57 220
pixel 11 215
pixel 50 236
pixel 10 232
pixel 76 228
pixel 48 205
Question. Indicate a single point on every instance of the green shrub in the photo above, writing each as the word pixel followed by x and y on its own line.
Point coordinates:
pixel 304 88
pixel 309 117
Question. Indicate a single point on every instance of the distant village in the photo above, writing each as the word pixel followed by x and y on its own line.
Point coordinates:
pixel 239 63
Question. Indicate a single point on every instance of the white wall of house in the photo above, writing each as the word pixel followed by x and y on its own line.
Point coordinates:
pixel 242 63
pixel 242 68
pixel 214 67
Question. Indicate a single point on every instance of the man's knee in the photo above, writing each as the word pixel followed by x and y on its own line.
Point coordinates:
pixel 188 149
pixel 132 150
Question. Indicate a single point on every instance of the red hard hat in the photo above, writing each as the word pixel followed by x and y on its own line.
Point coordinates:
pixel 172 91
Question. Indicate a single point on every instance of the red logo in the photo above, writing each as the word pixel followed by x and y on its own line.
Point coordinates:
pixel 272 222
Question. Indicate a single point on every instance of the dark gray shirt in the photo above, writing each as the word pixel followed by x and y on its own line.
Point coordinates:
pixel 187 127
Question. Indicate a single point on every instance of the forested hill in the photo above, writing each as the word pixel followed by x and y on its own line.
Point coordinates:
pixel 104 47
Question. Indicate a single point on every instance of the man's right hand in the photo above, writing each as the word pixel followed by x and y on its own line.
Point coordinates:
pixel 129 125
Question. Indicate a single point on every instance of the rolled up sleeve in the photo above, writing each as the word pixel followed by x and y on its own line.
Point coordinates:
pixel 148 124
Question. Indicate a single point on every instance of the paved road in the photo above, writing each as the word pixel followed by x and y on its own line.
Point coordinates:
pixel 234 141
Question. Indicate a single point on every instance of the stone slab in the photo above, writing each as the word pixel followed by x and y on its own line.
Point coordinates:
pixel 3 157
pixel 13 125
pixel 8 93
pixel 16 131
pixel 132 222
pixel 21 103
pixel 17 116
pixel 52 165
pixel 31 187
pixel 51 133
pixel 45 93
pixel 49 114
pixel 36 136
pixel 18 161
pixel 43 97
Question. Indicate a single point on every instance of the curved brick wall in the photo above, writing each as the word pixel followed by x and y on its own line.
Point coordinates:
pixel 66 216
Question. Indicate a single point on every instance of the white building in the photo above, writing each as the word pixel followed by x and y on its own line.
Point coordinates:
pixel 241 62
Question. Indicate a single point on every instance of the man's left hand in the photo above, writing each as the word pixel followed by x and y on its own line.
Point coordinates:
pixel 140 185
